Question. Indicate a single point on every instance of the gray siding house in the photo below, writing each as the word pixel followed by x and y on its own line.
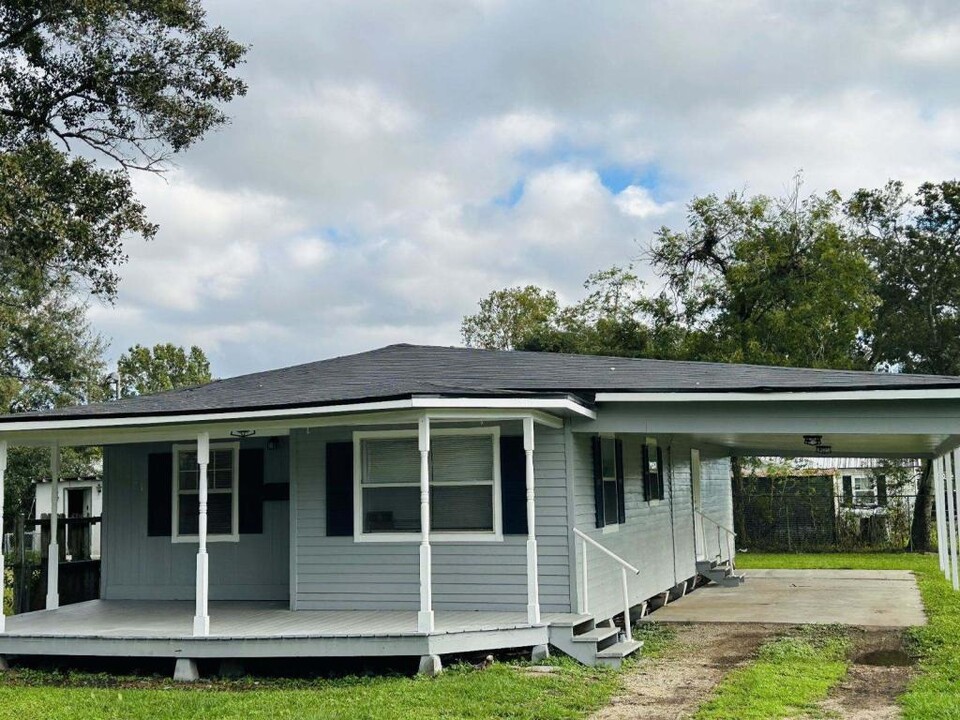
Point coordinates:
pixel 424 501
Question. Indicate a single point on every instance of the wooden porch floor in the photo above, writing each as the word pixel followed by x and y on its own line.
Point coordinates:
pixel 259 629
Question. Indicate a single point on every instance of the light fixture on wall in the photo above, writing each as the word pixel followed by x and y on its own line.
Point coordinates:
pixel 824 449
pixel 813 440
pixel 242 433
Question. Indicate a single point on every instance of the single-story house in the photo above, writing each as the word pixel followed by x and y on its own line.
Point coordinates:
pixel 424 501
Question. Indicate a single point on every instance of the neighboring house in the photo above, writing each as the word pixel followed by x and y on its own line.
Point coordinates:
pixel 827 502
pixel 78 497
pixel 428 500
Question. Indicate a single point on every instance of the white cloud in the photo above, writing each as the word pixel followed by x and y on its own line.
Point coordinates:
pixel 396 161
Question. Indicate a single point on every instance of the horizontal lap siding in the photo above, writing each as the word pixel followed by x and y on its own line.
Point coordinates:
pixel 657 537
pixel 137 567
pixel 716 491
pixel 334 573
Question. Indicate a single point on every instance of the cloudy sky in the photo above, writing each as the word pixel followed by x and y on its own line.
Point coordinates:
pixel 395 161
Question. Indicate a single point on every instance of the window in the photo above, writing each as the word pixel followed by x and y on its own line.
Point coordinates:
pixel 464 484
pixel 608 480
pixel 222 506
pixel 652 461
pixel 864 491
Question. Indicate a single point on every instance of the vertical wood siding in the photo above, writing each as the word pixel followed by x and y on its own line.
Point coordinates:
pixel 335 573
pixel 137 567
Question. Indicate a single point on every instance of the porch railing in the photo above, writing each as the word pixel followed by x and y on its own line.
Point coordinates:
pixel 722 531
pixel 624 567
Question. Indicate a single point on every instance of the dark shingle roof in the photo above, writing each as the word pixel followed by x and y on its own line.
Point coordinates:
pixel 402 371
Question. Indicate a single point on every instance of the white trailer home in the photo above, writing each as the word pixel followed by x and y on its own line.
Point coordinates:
pixel 427 501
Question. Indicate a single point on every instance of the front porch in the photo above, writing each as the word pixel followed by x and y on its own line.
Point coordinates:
pixel 156 628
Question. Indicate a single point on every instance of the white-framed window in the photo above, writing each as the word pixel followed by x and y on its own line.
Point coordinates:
pixel 223 509
pixel 464 485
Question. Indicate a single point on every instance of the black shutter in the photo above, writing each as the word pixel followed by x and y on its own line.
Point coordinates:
pixel 882 490
pixel 513 485
pixel 847 490
pixel 621 500
pixel 660 489
pixel 160 494
pixel 251 491
pixel 340 489
pixel 645 473
pixel 597 479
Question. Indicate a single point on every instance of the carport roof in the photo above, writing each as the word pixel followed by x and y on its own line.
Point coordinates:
pixel 408 371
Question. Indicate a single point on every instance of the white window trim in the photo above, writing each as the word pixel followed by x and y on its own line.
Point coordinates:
pixel 448 536
pixel 648 442
pixel 175 535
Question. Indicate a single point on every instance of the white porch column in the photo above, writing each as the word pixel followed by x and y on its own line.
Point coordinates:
pixel 533 576
pixel 425 616
pixel 952 517
pixel 201 621
pixel 3 472
pixel 936 467
pixel 53 549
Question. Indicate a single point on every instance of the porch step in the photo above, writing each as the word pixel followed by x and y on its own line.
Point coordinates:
pixel 596 635
pixel 614 655
pixel 581 638
pixel 720 572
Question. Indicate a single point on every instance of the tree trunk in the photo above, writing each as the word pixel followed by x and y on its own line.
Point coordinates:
pixel 920 529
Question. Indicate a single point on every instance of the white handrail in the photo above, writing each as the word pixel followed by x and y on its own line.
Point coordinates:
pixel 718 524
pixel 624 585
pixel 731 535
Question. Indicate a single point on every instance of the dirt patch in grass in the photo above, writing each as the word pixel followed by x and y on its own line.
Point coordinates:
pixel 676 683
pixel 881 669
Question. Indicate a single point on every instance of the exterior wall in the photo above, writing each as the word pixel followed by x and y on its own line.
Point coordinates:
pixel 717 499
pixel 658 536
pixel 138 567
pixel 334 573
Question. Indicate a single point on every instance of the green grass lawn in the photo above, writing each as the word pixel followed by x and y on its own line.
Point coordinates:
pixel 501 691
pixel 790 675
pixel 935 693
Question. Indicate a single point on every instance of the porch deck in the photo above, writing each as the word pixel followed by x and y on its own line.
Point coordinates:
pixel 136 628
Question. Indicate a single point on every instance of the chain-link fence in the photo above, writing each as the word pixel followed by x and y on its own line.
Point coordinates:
pixel 811 521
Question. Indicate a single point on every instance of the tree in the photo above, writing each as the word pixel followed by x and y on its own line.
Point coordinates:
pixel 131 83
pixel 506 317
pixel 913 242
pixel 164 367
pixel 768 281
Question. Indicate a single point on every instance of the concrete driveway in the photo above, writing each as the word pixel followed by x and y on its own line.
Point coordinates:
pixel 869 598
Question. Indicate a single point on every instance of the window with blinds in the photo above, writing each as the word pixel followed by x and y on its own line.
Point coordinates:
pixel 462 483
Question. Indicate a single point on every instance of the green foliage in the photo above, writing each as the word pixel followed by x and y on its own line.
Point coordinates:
pixel 501 691
pixel 506 317
pixel 914 244
pixel 788 678
pixel 768 281
pixel 935 693
pixel 163 367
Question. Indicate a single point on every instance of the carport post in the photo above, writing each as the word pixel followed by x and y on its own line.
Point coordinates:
pixel 936 466
pixel 952 510
pixel 947 517
pixel 53 549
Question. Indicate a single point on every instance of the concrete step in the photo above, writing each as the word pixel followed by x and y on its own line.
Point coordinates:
pixel 614 655
pixel 732 580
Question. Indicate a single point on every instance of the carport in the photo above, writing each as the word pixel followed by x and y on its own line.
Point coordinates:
pixel 921 422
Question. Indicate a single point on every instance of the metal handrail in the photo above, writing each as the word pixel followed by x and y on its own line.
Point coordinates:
pixel 731 535
pixel 624 585
pixel 718 524
pixel 607 551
